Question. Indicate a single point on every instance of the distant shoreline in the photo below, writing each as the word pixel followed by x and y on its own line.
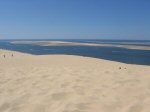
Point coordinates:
pixel 63 43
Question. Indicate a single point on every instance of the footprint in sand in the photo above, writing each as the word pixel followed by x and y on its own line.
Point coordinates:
pixel 80 107
pixel 77 110
pixel 66 84
pixel 136 108
pixel 60 96
pixel 83 106
pixel 1 71
pixel 34 70
pixel 4 107
pixel 45 76
pixel 20 72
pixel 107 72
pixel 34 108
pixel 79 90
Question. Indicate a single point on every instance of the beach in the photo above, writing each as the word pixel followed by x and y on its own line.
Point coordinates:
pixel 68 83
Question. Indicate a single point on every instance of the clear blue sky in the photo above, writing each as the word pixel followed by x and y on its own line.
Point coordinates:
pixel 92 19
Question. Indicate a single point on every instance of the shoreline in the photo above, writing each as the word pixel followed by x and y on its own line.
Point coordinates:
pixel 63 43
pixel 62 55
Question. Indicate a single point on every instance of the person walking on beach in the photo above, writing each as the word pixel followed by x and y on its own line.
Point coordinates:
pixel 12 55
pixel 4 56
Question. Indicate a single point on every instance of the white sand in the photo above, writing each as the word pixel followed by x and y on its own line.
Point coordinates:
pixel 61 83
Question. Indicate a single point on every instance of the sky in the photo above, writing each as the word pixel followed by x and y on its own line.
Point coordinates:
pixel 75 19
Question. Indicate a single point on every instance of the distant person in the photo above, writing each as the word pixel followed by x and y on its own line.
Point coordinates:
pixel 4 56
pixel 12 55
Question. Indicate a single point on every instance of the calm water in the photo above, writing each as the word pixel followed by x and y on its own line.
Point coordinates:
pixel 109 53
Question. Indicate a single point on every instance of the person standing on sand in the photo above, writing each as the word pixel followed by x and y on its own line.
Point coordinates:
pixel 12 55
pixel 4 56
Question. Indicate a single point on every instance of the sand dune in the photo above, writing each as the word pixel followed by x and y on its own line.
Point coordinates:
pixel 65 83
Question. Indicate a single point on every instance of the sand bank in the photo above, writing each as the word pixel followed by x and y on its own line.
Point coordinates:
pixel 65 83
pixel 62 43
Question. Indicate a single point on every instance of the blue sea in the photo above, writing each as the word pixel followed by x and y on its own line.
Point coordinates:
pixel 130 56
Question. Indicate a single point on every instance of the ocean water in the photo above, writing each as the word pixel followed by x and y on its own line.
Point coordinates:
pixel 141 57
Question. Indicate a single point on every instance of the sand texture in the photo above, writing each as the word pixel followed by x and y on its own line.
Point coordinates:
pixel 66 83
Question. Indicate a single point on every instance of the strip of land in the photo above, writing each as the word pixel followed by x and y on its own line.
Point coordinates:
pixel 66 83
pixel 61 43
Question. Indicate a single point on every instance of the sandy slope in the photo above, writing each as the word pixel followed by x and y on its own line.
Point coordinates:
pixel 61 83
